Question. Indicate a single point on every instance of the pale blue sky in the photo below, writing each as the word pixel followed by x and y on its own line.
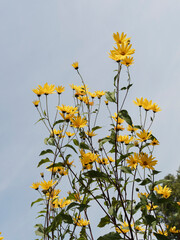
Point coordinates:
pixel 39 41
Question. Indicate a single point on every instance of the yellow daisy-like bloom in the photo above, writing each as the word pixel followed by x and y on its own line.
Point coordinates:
pixel 132 161
pixel 138 102
pixel 103 161
pixel 121 39
pixel 147 105
pixel 124 228
pixel 69 134
pixel 72 86
pixel 174 230
pixel 87 159
pixel 143 135
pixel 1 238
pixel 67 109
pixel 119 127
pixel 77 197
pixel 47 89
pixel 139 228
pixel 78 122
pixel 62 171
pixel 143 194
pixel 60 203
pixel 75 65
pixel 46 185
pixel 155 108
pixel 151 207
pixel 122 51
pixel 81 222
pixel 93 95
pixel 53 194
pixel 114 57
pixel 91 134
pixel 38 92
pixel 178 203
pixel 131 128
pixel 165 233
pixel 36 103
pixel 126 139
pixel 106 102
pixel 99 94
pixel 56 132
pixel 147 162
pixel 154 142
pixel 166 192
pixel 67 117
pixel 60 89
pixel 127 61
pixel 111 159
pixel 35 185
pixel 117 119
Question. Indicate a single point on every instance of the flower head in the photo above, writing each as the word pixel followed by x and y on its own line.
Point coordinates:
pixel 60 89
pixel 166 192
pixel 127 61
pixel 47 89
pixel 144 135
pixel 138 102
pixel 121 39
pixel 132 161
pixel 36 103
pixel 35 185
pixel 146 161
pixel 46 185
pixel 75 65
pixel 78 122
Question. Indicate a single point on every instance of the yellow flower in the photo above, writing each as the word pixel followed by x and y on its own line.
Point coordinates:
pixel 87 159
pixel 154 142
pixel 124 228
pixel 36 103
pixel 78 122
pixel 120 39
pixel 53 194
pixel 147 105
pixel 56 132
pixel 174 230
pixel 1 238
pixel 67 109
pixel 47 89
pixel 106 102
pixel 147 162
pixel 131 128
pixel 93 95
pixel 139 228
pixel 111 159
pixel 119 127
pixel 103 161
pixel 46 185
pixel 126 139
pixel 143 136
pixel 128 61
pixel 114 57
pixel 123 50
pixel 166 192
pixel 69 134
pixel 117 119
pixel 165 233
pixel 81 222
pixel 99 94
pixel 138 102
pixel 151 206
pixel 38 92
pixel 35 185
pixel 132 161
pixel 91 134
pixel 75 65
pixel 60 89
pixel 178 203
pixel 155 108
pixel 143 194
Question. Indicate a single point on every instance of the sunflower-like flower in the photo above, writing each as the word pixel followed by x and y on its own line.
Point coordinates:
pixel 138 102
pixel 117 119
pixel 122 51
pixel 99 94
pixel 126 139
pixel 144 135
pixel 131 128
pixel 47 89
pixel 146 161
pixel 119 127
pixel 81 222
pixel 36 103
pixel 151 207
pixel 75 65
pixel 124 228
pixel 87 159
pixel 47 185
pixel 139 228
pixel 103 161
pixel 147 105
pixel 154 142
pixel 166 192
pixel 132 161
pixel 38 92
pixel 127 61
pixel 121 39
pixel 174 230
pixel 35 185
pixel 163 232
pixel 67 109
pixel 1 238
pixel 69 134
pixel 60 89
pixel 78 122
pixel 155 108
pixel 143 194
pixel 91 134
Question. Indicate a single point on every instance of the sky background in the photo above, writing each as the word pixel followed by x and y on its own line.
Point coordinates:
pixel 39 41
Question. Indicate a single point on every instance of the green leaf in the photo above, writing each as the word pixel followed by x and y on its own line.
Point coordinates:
pixel 84 146
pixel 124 115
pixel 110 96
pixel 46 141
pixel 46 151
pixel 112 211
pixel 145 181
pixel 96 128
pixel 59 121
pixel 70 146
pixel 76 142
pixel 43 161
pixel 126 169
pixel 104 221
pixel 130 85
pixel 38 200
pixel 110 236
pixel 51 141
pixel 102 141
pixel 71 205
pixel 123 88
pixel 150 219
pixel 96 174
pixel 41 119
